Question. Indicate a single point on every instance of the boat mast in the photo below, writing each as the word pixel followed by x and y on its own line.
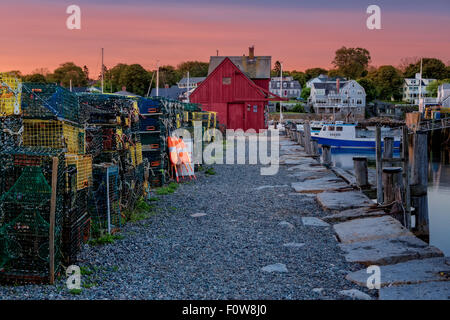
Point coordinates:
pixel 102 71
pixel 281 91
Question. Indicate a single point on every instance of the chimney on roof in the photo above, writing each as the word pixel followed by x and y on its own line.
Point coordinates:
pixel 124 88
pixel 251 52
pixel 338 85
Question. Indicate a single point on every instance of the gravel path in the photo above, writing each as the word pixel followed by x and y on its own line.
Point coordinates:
pixel 220 255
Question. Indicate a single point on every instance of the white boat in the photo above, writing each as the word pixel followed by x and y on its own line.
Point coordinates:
pixel 340 135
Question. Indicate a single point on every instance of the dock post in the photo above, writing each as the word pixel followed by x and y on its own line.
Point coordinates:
pixel 419 183
pixel 388 150
pixel 307 138
pixel 361 172
pixel 326 155
pixel 392 182
pixel 315 148
pixel 406 173
pixel 299 137
pixel 379 164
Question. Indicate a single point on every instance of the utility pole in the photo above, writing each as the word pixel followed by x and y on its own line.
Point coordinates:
pixel 281 90
pixel 421 103
pixel 102 71
pixel 157 78
pixel 187 93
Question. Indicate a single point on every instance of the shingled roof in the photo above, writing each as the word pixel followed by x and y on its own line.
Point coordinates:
pixel 256 68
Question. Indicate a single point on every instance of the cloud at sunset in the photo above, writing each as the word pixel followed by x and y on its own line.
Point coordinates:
pixel 300 34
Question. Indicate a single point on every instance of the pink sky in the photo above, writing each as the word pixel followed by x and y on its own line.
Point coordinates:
pixel 35 36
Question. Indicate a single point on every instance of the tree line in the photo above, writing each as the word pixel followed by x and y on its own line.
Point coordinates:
pixel 380 83
pixel 134 77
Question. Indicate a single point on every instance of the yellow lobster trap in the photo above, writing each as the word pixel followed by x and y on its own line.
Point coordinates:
pixel 136 154
pixel 53 134
pixel 83 164
pixel 10 95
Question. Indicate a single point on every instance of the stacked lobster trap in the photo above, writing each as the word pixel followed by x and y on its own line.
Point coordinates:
pixel 114 141
pixel 41 124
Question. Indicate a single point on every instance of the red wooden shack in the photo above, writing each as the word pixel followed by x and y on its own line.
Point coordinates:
pixel 237 88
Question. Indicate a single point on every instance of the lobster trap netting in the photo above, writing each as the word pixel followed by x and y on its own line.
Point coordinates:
pixel 53 134
pixel 11 129
pixel 104 201
pixel 49 101
pixel 25 194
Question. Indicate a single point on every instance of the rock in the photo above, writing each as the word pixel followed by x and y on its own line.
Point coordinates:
pixel 352 214
pixel 317 290
pixel 314 222
pixel 422 291
pixel 286 224
pixel 277 267
pixel 410 272
pixel 389 251
pixel 355 294
pixel 338 201
pixel 272 187
pixel 370 229
pixel 293 245
pixel 319 185
pixel 197 215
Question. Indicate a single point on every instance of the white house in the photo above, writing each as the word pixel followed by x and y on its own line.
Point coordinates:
pixel 412 87
pixel 444 95
pixel 322 79
pixel 290 88
pixel 193 82
pixel 338 98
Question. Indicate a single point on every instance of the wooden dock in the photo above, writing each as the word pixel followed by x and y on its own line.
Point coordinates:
pixel 368 235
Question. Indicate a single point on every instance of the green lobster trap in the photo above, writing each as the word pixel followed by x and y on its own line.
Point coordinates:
pixel 25 201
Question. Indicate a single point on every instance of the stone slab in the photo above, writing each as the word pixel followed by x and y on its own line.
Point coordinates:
pixel 389 251
pixel 319 185
pixel 307 175
pixel 410 272
pixel 368 229
pixel 314 222
pixel 307 167
pixel 352 214
pixel 338 201
pixel 422 291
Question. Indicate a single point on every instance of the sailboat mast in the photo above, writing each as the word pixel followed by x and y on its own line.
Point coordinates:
pixel 102 72
pixel 157 78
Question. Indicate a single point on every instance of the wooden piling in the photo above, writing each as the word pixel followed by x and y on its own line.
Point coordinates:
pixel 361 172
pixel 392 182
pixel 326 155
pixel 379 165
pixel 307 138
pixel 314 148
pixel 388 150
pixel 406 178
pixel 419 183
